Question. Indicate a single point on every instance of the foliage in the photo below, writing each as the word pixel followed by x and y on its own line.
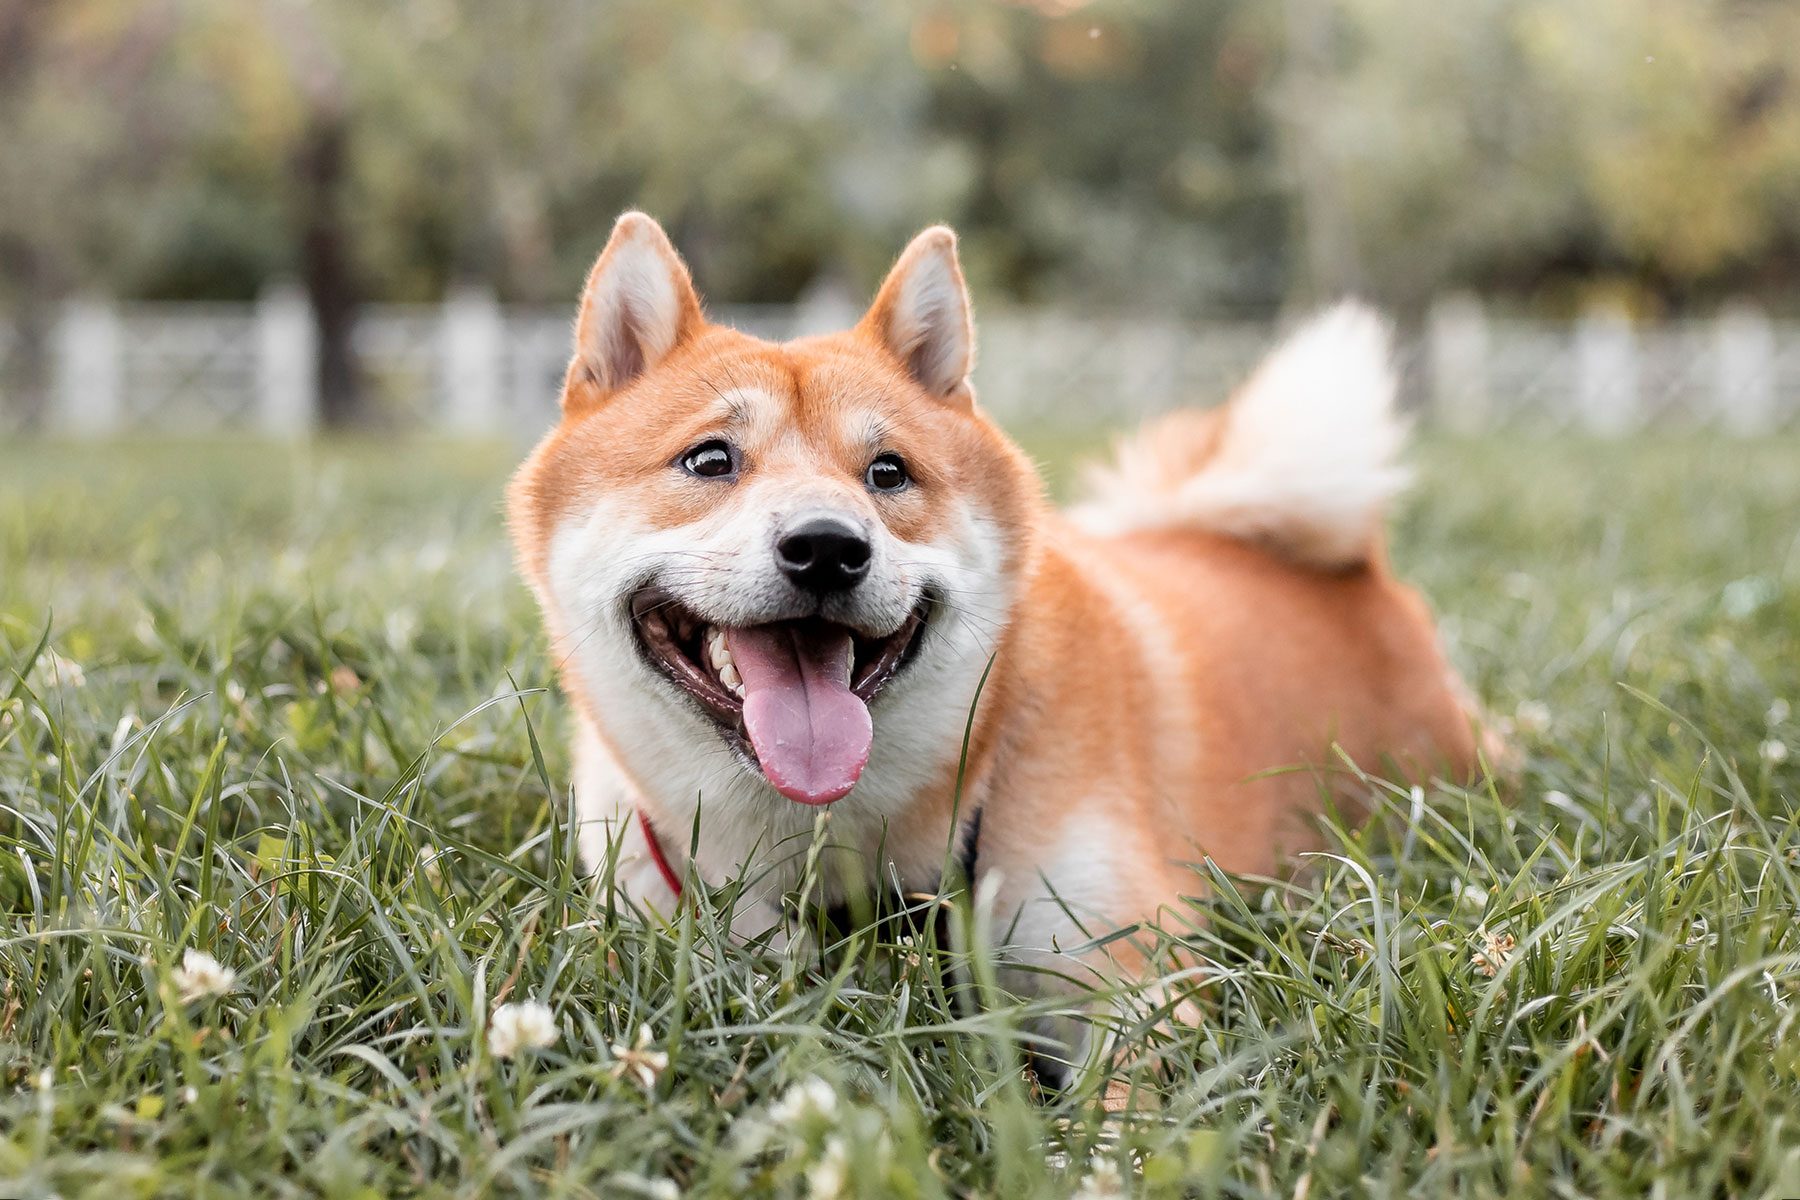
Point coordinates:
pixel 1130 152
pixel 290 713
pixel 1507 144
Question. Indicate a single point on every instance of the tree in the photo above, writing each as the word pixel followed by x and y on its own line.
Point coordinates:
pixel 1514 145
pixel 91 103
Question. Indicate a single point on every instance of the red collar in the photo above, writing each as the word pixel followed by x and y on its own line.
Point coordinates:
pixel 657 856
pixel 971 837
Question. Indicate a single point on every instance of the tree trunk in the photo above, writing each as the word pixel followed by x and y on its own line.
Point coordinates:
pixel 25 295
pixel 1326 233
pixel 325 266
pixel 30 305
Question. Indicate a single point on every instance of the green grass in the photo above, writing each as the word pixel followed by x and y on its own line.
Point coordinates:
pixel 305 738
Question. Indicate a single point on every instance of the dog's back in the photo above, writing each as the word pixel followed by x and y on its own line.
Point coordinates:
pixel 1213 632
pixel 1256 529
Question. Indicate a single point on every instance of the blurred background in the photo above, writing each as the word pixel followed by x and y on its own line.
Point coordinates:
pixel 276 216
pixel 287 285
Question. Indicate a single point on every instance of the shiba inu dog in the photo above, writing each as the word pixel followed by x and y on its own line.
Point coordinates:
pixel 783 577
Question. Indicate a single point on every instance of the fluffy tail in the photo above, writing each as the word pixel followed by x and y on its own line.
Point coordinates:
pixel 1303 459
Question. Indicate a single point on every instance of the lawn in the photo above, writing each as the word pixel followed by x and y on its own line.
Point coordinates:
pixel 293 712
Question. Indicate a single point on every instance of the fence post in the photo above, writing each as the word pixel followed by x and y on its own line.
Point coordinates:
pixel 827 305
pixel 88 393
pixel 474 339
pixel 1457 350
pixel 1606 372
pixel 1002 343
pixel 287 393
pixel 1149 380
pixel 1744 367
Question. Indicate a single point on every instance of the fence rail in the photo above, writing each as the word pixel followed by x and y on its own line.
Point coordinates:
pixel 474 367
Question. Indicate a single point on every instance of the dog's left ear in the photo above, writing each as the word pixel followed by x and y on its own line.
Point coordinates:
pixel 921 315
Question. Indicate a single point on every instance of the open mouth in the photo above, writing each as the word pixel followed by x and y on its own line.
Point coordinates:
pixel 792 696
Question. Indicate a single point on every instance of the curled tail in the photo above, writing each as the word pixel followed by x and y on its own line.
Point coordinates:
pixel 1303 460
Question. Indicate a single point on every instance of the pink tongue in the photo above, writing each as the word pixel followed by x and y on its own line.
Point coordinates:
pixel 810 731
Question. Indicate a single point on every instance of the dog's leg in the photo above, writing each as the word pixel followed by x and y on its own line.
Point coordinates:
pixel 1047 923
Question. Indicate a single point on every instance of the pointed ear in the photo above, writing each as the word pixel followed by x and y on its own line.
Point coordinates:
pixel 638 305
pixel 921 315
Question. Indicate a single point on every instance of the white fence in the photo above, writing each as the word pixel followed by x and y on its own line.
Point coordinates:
pixel 473 367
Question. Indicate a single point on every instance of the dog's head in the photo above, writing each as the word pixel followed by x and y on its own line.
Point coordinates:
pixel 765 561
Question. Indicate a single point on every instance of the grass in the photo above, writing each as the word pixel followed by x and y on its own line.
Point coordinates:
pixel 290 709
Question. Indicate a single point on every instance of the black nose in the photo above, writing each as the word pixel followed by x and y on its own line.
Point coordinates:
pixel 823 554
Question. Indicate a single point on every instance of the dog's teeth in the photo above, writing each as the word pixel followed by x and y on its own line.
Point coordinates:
pixel 734 683
pixel 718 654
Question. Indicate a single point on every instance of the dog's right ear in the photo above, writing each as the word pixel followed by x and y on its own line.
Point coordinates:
pixel 639 304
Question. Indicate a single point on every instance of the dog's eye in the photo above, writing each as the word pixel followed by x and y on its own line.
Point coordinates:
pixel 711 460
pixel 887 474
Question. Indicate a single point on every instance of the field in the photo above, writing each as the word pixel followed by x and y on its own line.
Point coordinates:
pixel 290 708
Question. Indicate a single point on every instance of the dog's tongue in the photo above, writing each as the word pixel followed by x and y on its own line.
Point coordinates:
pixel 810 731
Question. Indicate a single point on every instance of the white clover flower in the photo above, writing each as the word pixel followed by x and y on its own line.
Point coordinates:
pixel 400 627
pixel 1778 711
pixel 62 671
pixel 44 1080
pixel 1102 1182
pixel 826 1178
pixel 431 863
pixel 804 1101
pixel 655 1189
pixel 638 1060
pixel 1532 717
pixel 1496 948
pixel 1774 752
pixel 201 975
pixel 527 1025
pixel 1742 597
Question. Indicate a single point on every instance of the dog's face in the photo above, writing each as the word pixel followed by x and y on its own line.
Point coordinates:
pixel 763 565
